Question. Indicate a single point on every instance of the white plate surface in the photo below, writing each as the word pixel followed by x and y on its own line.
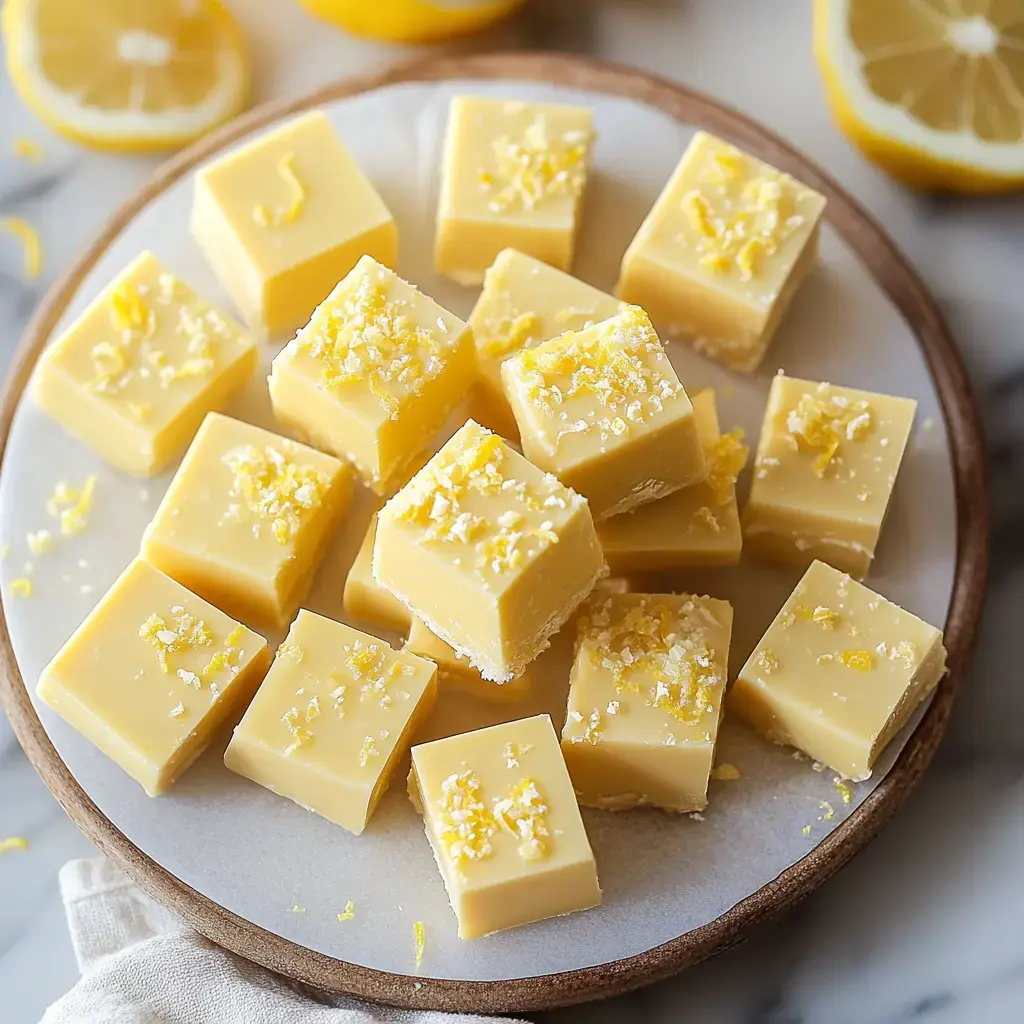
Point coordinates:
pixel 258 855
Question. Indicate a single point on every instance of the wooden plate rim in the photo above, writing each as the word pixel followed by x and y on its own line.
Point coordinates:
pixel 906 290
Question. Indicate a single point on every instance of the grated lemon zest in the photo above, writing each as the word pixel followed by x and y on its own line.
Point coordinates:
pixel 365 338
pixel 822 422
pixel 739 223
pixel 523 813
pixel 436 498
pixel 274 488
pixel 349 912
pixel 466 823
pixel 20 587
pixel 30 243
pixel 651 647
pixel 822 615
pixel 535 167
pixel 184 633
pixel 13 843
pixel 609 363
pixel 725 456
pixel 511 335
pixel 861 661
pixel 72 505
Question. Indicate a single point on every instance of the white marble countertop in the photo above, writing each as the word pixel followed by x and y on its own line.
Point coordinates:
pixel 926 924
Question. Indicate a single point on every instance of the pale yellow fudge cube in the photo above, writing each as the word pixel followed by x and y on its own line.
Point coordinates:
pixel 723 251
pixel 136 373
pixel 824 472
pixel 492 553
pixel 247 518
pixel 604 411
pixel 365 598
pixel 332 719
pixel 152 674
pixel 513 174
pixel 524 302
pixel 645 700
pixel 696 526
pixel 374 374
pixel 839 672
pixel 285 217
pixel 455 671
pixel 504 826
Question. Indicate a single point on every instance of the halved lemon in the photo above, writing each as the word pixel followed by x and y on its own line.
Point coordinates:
pixel 127 74
pixel 930 90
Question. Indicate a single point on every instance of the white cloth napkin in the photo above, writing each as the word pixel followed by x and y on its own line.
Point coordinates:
pixel 142 965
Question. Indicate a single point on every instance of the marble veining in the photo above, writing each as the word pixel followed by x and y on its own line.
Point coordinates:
pixel 925 924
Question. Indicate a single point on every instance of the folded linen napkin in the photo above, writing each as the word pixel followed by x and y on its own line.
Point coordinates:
pixel 142 965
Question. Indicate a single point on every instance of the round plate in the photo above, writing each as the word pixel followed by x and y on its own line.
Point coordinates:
pixel 750 859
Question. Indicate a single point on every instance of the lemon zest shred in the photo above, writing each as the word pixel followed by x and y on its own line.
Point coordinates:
pixel 40 542
pixel 285 214
pixel 29 238
pixel 13 843
pixel 725 458
pixel 21 587
pixel 72 505
pixel 420 938
pixel 861 661
pixel 349 912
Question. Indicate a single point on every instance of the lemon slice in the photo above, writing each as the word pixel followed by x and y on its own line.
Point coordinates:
pixel 930 90
pixel 127 74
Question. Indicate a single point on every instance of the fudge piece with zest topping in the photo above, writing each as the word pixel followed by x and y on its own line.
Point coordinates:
pixel 604 411
pixel 699 525
pixel 152 674
pixel 136 373
pixel 645 700
pixel 283 218
pixel 504 825
pixel 247 518
pixel 523 303
pixel 824 472
pixel 332 719
pixel 839 672
pixel 723 251
pixel 374 374
pixel 513 174
pixel 492 553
